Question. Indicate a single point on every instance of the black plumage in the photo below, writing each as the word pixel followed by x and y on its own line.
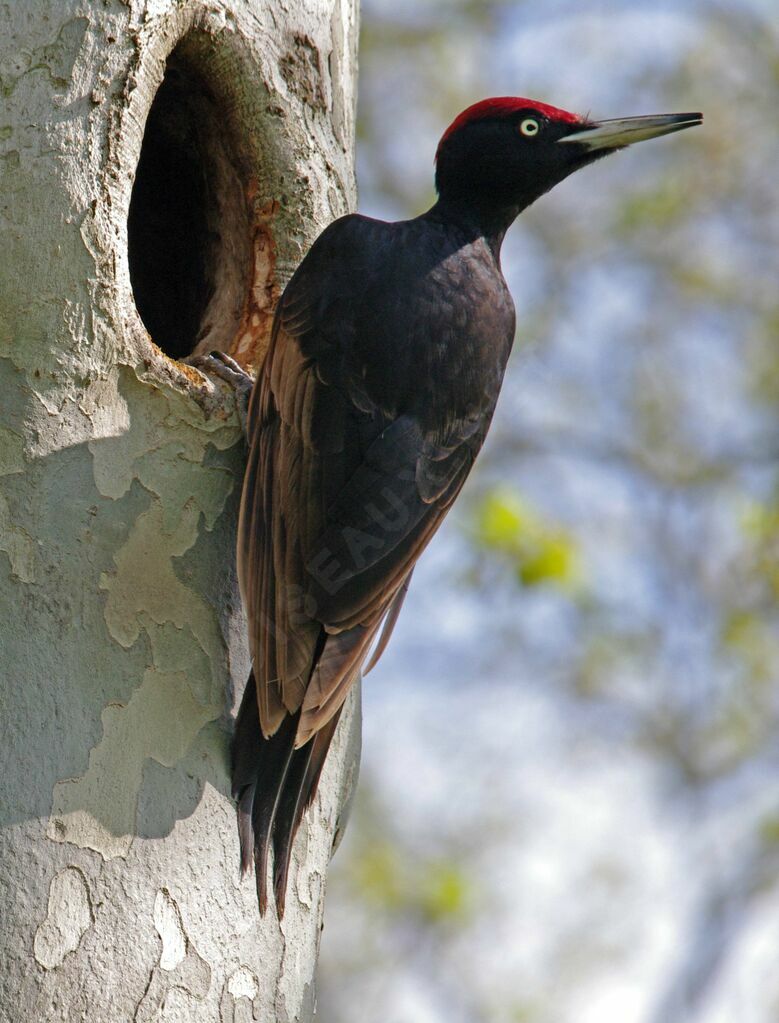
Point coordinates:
pixel 386 359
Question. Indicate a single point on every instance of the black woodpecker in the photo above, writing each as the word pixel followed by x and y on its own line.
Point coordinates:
pixel 386 359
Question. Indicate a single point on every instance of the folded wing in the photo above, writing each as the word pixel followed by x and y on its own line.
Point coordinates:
pixel 342 493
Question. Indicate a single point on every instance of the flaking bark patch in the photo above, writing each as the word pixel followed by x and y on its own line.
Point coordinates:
pixel 180 967
pixel 302 68
pixel 68 917
pixel 161 721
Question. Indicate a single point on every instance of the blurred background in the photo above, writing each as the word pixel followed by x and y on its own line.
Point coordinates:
pixel 569 808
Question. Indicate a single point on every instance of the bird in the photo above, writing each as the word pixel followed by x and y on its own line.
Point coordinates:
pixel 387 353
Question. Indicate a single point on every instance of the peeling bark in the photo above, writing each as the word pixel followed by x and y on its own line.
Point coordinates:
pixel 122 633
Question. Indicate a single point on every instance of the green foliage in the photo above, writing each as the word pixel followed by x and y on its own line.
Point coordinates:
pixel 655 208
pixel 445 892
pixel 378 872
pixel 748 637
pixel 760 523
pixel 435 890
pixel 769 831
pixel 507 526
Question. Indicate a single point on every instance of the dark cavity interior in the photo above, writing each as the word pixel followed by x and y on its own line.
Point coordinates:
pixel 188 232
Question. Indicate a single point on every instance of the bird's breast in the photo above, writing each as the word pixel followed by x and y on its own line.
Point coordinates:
pixel 441 338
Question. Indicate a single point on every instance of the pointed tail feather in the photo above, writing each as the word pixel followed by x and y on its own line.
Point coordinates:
pixel 273 784
pixel 286 823
pixel 259 767
pixel 299 791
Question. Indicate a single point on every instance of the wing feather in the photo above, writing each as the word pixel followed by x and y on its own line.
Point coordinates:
pixel 343 491
pixel 331 534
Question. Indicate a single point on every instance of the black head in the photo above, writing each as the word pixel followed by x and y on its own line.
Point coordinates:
pixel 502 154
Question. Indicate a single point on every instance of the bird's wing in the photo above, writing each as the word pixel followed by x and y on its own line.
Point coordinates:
pixel 340 498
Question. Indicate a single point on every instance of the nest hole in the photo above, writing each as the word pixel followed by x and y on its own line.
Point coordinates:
pixel 189 236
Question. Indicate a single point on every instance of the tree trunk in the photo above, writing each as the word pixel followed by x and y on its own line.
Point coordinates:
pixel 163 167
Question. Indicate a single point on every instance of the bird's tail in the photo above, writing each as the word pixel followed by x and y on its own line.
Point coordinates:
pixel 273 784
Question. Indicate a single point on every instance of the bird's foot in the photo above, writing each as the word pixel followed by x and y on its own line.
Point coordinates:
pixel 223 366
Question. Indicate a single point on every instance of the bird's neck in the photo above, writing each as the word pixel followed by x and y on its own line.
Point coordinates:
pixel 475 220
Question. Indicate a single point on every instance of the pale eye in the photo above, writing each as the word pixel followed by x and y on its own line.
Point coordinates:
pixel 530 126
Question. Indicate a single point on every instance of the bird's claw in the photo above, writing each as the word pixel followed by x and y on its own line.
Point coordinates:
pixel 223 366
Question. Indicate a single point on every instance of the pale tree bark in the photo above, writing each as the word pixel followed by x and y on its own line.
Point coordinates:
pixel 224 130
